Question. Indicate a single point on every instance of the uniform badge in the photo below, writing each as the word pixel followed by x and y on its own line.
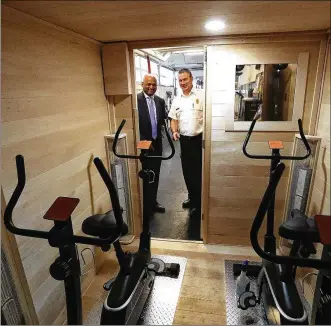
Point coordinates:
pixel 197 101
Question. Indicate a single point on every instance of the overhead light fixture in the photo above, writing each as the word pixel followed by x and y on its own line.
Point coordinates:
pixel 215 25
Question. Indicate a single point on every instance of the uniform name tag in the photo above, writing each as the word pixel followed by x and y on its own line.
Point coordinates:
pixel 197 101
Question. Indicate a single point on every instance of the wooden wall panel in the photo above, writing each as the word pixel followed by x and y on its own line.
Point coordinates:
pixel 116 68
pixel 320 201
pixel 237 183
pixel 54 113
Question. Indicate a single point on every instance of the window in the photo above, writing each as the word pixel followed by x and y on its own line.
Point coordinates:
pixel 137 61
pixel 141 67
pixel 154 68
pixel 166 77
pixel 155 71
pixel 143 64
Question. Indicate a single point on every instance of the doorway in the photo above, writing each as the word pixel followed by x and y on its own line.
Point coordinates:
pixel 176 222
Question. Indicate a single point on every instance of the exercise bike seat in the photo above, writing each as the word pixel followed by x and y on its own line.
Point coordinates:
pixel 102 225
pixel 299 227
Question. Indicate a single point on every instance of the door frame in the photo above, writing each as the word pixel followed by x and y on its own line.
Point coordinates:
pixel 206 146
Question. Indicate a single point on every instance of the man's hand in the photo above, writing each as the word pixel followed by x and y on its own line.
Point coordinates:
pixel 174 126
pixel 175 135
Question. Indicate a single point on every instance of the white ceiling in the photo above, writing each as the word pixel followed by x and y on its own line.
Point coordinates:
pixel 108 21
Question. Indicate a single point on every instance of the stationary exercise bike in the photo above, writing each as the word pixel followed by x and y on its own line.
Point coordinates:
pixel 133 284
pixel 130 289
pixel 106 229
pixel 276 277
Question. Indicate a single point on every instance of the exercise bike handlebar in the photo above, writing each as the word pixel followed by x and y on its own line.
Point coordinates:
pixel 112 192
pixel 8 221
pixel 272 157
pixel 258 220
pixel 145 156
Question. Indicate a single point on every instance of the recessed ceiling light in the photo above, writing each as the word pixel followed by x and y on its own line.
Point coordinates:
pixel 214 25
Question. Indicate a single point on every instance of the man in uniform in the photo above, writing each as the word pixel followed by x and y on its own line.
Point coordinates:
pixel 187 125
pixel 152 115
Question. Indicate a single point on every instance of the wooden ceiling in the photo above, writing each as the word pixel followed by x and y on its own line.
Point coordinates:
pixel 109 21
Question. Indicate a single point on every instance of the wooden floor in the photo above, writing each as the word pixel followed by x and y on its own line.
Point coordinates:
pixel 201 298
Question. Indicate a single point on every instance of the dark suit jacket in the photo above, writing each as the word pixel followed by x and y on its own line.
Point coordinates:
pixel 145 126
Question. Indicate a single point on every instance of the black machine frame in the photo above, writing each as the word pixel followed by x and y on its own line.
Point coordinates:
pixel 276 276
pixel 67 266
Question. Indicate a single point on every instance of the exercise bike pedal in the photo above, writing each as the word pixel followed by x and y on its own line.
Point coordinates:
pixel 107 286
pixel 173 269
pixel 247 300
pixel 164 269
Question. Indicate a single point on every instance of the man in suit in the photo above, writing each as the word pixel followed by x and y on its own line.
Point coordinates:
pixel 152 115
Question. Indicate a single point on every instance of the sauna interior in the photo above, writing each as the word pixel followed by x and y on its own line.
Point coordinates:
pixel 71 72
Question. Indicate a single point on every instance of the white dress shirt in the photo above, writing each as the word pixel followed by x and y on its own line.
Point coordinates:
pixel 188 110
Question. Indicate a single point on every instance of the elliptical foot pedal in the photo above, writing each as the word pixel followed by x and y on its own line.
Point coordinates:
pixel 164 269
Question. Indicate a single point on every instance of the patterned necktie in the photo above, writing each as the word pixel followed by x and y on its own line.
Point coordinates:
pixel 152 114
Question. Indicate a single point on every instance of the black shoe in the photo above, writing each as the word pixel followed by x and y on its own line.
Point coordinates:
pixel 159 209
pixel 195 213
pixel 187 203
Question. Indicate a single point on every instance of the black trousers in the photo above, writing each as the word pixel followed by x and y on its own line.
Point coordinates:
pixel 191 157
pixel 155 166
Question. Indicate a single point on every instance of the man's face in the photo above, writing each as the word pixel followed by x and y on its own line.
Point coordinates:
pixel 149 85
pixel 185 82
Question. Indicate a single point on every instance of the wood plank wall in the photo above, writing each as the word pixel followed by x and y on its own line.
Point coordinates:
pixel 320 198
pixel 54 112
pixel 236 182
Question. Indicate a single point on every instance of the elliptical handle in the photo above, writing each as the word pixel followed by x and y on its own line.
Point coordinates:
pixel 112 192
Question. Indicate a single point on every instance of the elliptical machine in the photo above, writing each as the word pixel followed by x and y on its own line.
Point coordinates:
pixel 276 277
